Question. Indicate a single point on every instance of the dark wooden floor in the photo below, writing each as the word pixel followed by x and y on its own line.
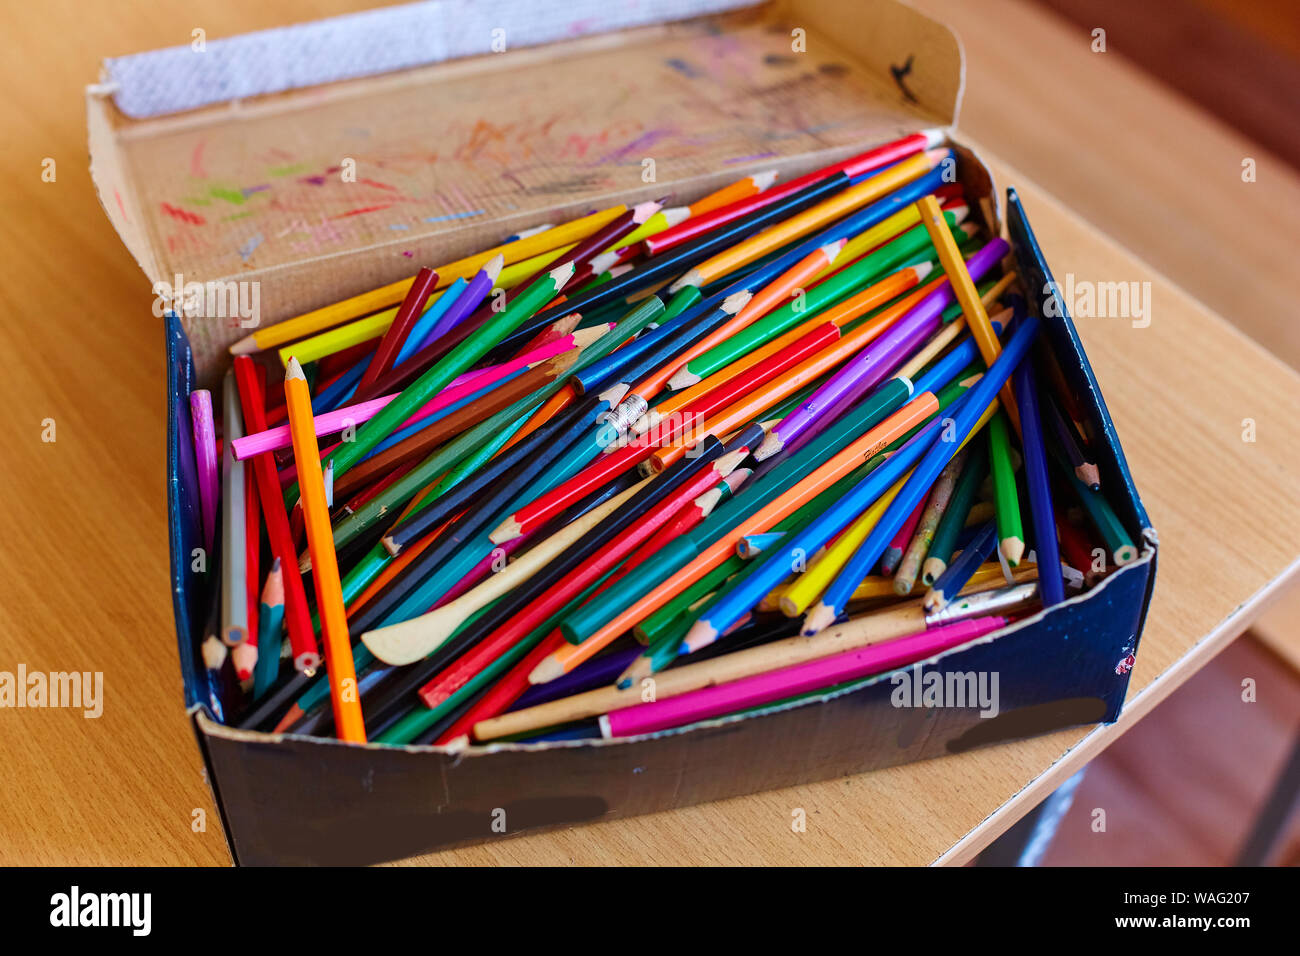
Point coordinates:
pixel 1238 59
pixel 1183 787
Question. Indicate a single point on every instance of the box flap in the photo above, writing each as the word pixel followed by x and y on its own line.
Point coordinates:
pixel 334 190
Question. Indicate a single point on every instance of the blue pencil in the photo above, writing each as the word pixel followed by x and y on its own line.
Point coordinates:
pixel 964 414
pixel 269 619
pixel 1050 581
pixel 954 578
pixel 426 325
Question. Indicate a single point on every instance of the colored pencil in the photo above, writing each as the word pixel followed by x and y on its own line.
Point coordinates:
pixel 270 620
pixel 893 555
pixel 763 688
pixel 857 632
pixel 1103 518
pixel 306 654
pixel 411 309
pixel 858 165
pixel 692 556
pixel 873 365
pixel 1038 482
pixel 325 573
pixel 1006 494
pixel 909 568
pixel 959 572
pixel 954 516
pixel 803 223
pixel 734 192
pixel 1065 437
pixel 234 547
pixel 962 280
pixel 205 455
pixel 393 293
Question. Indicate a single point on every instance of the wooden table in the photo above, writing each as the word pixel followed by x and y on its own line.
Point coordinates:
pixel 83 577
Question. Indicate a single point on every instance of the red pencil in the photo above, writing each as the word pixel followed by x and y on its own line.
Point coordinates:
pixel 408 312
pixel 306 654
pixel 468 665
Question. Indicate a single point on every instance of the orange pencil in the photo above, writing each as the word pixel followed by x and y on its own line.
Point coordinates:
pixel 869 444
pixel 753 308
pixel 740 189
pixel 325 569
pixel 869 298
pixel 797 226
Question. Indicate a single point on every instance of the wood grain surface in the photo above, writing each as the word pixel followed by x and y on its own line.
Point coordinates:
pixel 83 576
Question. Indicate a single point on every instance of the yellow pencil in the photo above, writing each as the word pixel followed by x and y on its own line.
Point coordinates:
pixel 392 294
pixel 338 339
pixel 807 587
pixel 963 287
pixel 801 224
pixel 344 693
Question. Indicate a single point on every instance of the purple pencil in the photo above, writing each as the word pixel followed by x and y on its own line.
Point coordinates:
pixel 870 366
pixel 469 300
pixel 594 673
pixel 205 456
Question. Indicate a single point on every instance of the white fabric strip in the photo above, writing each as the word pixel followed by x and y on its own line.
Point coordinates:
pixel 364 44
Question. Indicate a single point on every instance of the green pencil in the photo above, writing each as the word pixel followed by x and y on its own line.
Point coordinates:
pixel 458 360
pixel 1006 498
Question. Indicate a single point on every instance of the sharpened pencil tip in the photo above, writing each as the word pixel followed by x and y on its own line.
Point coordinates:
pixel 245 346
pixel 507 530
pixel 562 274
pixel 493 267
pixel 391 546
pixel 1012 549
pixel 293 369
pixel 643 211
pixel 818 619
pixel 701 634
pixel 690 278
pixel 771 445
pixel 676 215
pixel 547 671
pixel 764 180
pixel 682 378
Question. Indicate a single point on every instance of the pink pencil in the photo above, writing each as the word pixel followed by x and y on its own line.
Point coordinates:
pixel 273 439
pixel 205 456
pixel 894 553
pixel 792 681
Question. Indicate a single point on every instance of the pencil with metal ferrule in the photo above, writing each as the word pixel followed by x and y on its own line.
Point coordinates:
pixel 898 621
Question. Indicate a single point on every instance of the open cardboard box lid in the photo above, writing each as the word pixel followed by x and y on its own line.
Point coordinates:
pixel 456 156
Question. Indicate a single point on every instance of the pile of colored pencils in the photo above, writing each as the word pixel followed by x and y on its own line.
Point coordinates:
pixel 653 466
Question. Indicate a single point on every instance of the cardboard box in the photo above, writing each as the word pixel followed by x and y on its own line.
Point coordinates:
pixel 245 192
